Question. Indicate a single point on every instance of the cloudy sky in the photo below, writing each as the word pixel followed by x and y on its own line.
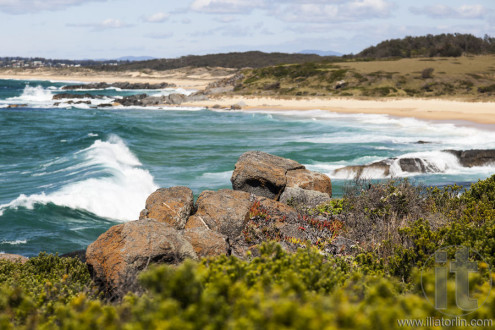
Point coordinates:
pixel 79 29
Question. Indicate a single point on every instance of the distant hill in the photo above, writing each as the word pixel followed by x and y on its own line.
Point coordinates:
pixel 320 52
pixel 253 59
pixel 444 45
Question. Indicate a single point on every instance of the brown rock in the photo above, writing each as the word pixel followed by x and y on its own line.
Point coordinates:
pixel 194 222
pixel 206 242
pixel 225 211
pixel 13 257
pixel 262 174
pixel 170 205
pixel 119 254
pixel 277 211
pixel 309 180
pixel 303 197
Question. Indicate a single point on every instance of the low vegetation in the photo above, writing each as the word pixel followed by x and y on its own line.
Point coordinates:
pixel 466 77
pixel 377 276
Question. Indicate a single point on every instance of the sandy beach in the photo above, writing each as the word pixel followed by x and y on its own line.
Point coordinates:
pixel 199 78
pixel 187 78
pixel 431 109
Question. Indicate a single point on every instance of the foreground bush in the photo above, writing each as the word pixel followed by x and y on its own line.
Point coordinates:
pixel 382 281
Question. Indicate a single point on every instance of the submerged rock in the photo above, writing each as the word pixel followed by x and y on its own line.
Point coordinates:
pixel 383 168
pixel 475 157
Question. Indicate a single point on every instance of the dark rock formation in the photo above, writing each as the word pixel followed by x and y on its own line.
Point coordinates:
pixel 475 157
pixel 121 85
pixel 76 96
pixel 466 158
pixel 132 100
pixel 143 100
pixel 170 205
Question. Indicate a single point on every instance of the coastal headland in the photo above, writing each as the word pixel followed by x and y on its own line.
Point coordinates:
pixel 432 95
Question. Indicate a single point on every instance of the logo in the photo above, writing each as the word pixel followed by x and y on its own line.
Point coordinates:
pixel 459 283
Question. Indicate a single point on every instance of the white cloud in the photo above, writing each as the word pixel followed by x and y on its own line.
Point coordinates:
pixel 165 35
pixel 339 11
pixel 226 6
pixel 442 11
pixel 157 18
pixel 109 23
pixel 32 6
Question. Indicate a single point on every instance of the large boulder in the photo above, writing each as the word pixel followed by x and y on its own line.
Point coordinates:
pixel 262 174
pixel 170 205
pixel 206 242
pixel 119 254
pixel 277 211
pixel 308 198
pixel 224 211
pixel 13 257
pixel 309 180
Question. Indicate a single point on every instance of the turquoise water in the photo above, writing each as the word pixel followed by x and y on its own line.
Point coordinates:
pixel 67 174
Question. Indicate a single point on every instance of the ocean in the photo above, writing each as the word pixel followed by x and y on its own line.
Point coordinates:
pixel 69 172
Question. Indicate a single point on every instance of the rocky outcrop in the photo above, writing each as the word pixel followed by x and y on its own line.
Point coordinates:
pixel 206 242
pixel 62 96
pixel 121 85
pixel 309 180
pixel 384 168
pixel 118 255
pixel 171 228
pixel 170 205
pixel 13 258
pixel 262 174
pixel 143 100
pixel 475 157
pixel 223 86
pixel 268 175
pixel 224 211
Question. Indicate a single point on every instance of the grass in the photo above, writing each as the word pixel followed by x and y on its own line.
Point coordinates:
pixel 467 77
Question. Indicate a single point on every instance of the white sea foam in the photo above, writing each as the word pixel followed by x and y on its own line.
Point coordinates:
pixel 120 193
pixel 34 96
pixel 17 242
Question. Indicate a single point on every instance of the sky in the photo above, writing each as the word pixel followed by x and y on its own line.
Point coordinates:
pixel 97 29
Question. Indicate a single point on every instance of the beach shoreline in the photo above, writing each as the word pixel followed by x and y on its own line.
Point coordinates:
pixel 425 109
pixel 482 113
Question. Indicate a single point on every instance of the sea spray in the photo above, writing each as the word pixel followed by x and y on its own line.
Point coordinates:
pixel 118 192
